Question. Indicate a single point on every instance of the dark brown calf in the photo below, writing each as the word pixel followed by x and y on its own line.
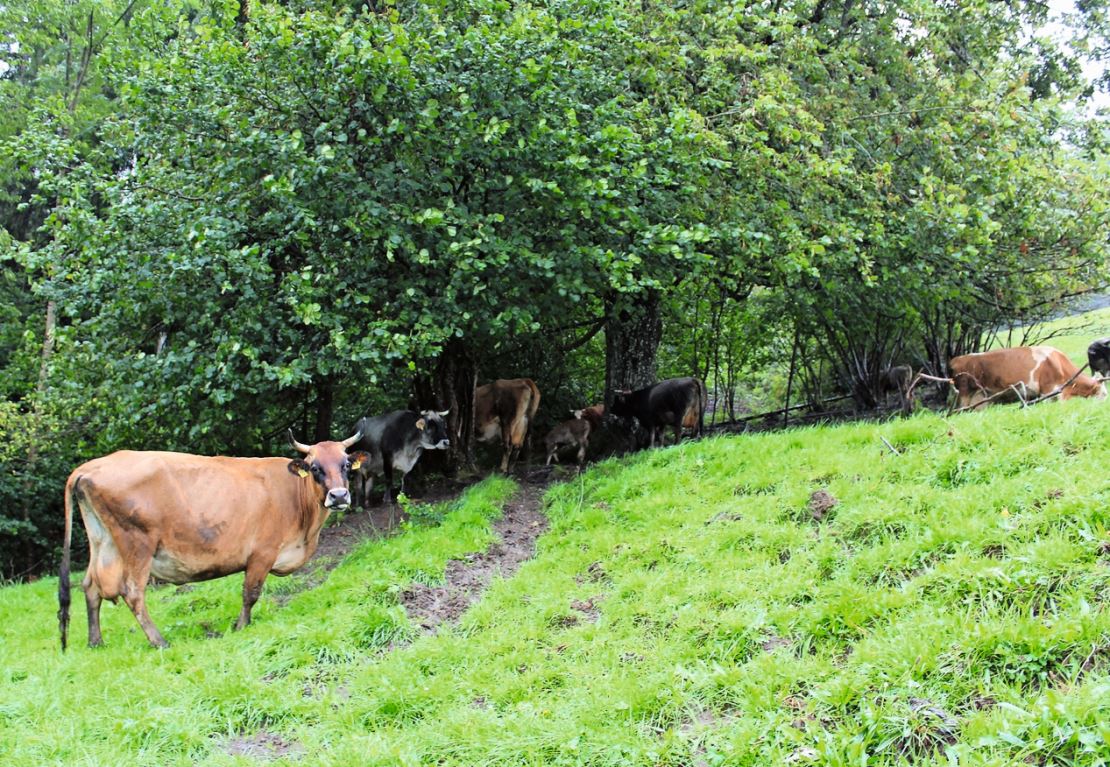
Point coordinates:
pixel 574 433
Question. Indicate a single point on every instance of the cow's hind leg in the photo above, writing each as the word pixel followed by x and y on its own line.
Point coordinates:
pixel 135 596
pixel 257 570
pixel 92 607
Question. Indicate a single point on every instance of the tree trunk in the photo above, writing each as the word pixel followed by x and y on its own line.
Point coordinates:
pixel 36 424
pixel 790 378
pixel 632 336
pixel 242 18
pixel 325 407
pixel 451 387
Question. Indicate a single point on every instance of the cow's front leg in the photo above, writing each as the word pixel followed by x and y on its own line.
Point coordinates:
pixel 387 470
pixel 358 489
pixel 257 569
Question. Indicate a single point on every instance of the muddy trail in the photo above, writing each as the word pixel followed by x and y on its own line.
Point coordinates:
pixel 521 522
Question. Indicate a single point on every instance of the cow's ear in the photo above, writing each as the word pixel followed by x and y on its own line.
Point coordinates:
pixel 421 423
pixel 298 467
pixel 357 459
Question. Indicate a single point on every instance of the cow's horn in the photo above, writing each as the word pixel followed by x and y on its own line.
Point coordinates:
pixel 443 414
pixel 298 445
pixel 352 439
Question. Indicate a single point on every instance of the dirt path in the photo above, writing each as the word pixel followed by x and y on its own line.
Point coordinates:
pixel 517 529
pixel 380 521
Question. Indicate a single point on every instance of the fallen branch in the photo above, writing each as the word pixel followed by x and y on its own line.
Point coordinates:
pixel 1059 389
pixel 781 411
pixel 892 448
pixel 922 376
pixel 1013 388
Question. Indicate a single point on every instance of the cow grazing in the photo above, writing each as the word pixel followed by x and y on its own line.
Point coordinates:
pixel 675 402
pixel 898 379
pixel 505 409
pixel 1028 371
pixel 184 518
pixel 395 442
pixel 1098 357
pixel 574 433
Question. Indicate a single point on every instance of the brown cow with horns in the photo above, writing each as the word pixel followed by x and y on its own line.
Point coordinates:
pixel 184 518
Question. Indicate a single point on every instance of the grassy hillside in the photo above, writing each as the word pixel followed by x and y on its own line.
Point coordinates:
pixel 1078 331
pixel 805 597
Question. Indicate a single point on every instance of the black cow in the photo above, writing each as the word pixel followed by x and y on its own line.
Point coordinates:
pixel 667 403
pixel 395 442
pixel 1098 357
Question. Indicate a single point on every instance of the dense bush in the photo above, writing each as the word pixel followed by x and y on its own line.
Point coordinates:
pixel 221 220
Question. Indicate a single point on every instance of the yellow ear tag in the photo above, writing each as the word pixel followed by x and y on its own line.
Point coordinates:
pixel 420 424
pixel 355 465
pixel 302 472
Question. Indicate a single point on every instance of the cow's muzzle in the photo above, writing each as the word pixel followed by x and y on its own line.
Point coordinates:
pixel 338 498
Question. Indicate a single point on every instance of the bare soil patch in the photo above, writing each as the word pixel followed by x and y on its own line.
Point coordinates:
pixel 358 525
pixel 263 745
pixel 517 529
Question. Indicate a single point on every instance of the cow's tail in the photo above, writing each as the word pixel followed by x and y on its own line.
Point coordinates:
pixel 63 572
pixel 533 406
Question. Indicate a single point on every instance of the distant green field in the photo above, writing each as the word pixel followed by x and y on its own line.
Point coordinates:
pixel 1078 331
pixel 689 606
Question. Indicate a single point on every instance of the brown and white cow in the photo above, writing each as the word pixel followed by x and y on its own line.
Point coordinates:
pixel 1031 371
pixel 505 409
pixel 183 518
pixel 574 433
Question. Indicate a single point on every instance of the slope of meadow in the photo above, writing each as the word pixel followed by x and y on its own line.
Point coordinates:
pixel 805 597
pixel 1072 334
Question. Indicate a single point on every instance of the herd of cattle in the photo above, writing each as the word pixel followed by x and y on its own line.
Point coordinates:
pixel 183 518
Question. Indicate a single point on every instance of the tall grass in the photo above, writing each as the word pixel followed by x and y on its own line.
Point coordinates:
pixel 686 607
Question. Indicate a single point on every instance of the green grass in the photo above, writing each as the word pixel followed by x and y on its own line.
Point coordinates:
pixel 951 608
